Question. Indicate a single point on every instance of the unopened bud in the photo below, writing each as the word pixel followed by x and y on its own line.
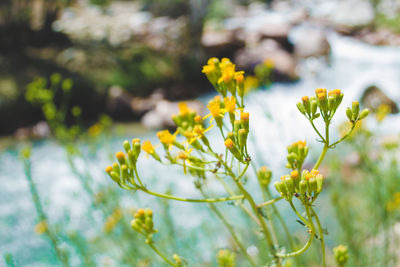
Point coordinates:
pixel 127 146
pixel 355 106
pixel 364 113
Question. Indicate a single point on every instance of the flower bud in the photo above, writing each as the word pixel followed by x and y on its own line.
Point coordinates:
pixel 124 172
pixel 120 157
pixel 244 119
pixel 306 104
pixel 236 127
pixel 233 149
pixel 313 185
pixel 320 182
pixel 115 167
pixel 341 255
pixel 242 138
pixel 289 184
pixel 364 114
pixel 301 108
pixel 135 225
pixel 314 106
pixel 126 146
pixel 264 176
pixel 349 114
pixel 115 176
pixel 303 187
pixel 355 106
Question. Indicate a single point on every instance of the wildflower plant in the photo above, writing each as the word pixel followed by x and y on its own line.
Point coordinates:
pixel 190 148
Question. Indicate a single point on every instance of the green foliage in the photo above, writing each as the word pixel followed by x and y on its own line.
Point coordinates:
pixel 391 23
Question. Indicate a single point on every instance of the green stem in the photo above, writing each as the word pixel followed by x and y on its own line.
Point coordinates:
pixel 231 230
pixel 321 235
pixel 316 130
pixel 344 137
pixel 162 255
pixel 207 200
pixel 269 202
pixel 299 215
pixel 326 146
pixel 42 215
pixel 307 245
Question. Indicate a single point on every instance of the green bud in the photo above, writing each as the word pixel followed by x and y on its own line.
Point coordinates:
pixel 137 148
pixel 177 120
pixel 301 108
pixel 313 185
pixel 149 224
pixel 264 176
pixel 115 176
pixel 242 138
pixel 355 109
pixel 115 167
pixel 320 182
pixel 124 172
pixel 349 114
pixel 278 186
pixel 314 106
pixel 364 114
pixel 127 146
pixel 289 184
pixel 132 159
pixel 341 255
pixel 135 225
pixel 230 135
pixel 236 127
pixel 303 187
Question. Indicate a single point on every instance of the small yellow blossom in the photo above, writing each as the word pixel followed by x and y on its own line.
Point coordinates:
pixel 148 147
pixel 167 138
pixel 230 104
pixel 239 76
pixel 269 63
pixel 41 227
pixel 184 155
pixel 184 109
pixel 112 220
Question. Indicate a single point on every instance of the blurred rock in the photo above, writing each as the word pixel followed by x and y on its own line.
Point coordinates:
pixel 119 103
pixel 160 116
pixel 217 42
pixel 39 130
pixel 285 64
pixel 353 13
pixel 373 97
pixel 309 41
pixel 379 37
pixel 141 105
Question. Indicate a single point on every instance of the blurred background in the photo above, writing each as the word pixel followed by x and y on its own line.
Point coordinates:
pixel 77 77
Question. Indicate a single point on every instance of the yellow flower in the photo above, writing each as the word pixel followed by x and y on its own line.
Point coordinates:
pixel 148 147
pixel 184 109
pixel 41 227
pixel 112 220
pixel 200 131
pixel 215 108
pixel 184 155
pixel 230 104
pixel 228 73
pixel 167 138
pixel 239 76
pixel 213 61
pixel 208 69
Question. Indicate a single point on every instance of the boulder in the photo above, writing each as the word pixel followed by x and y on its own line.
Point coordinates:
pixel 285 64
pixel 309 41
pixel 373 97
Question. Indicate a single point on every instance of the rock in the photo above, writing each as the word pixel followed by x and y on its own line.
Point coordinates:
pixel 39 130
pixel 119 103
pixel 142 105
pixel 373 97
pixel 309 41
pixel 218 42
pixel 160 116
pixel 353 13
pixel 285 64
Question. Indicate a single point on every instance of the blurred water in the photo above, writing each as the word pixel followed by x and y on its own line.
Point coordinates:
pixel 275 123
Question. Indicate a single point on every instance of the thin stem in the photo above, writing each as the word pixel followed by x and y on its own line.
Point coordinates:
pixel 231 230
pixel 299 215
pixel 162 255
pixel 245 209
pixel 326 146
pixel 207 200
pixel 344 137
pixel 307 245
pixel 321 235
pixel 269 202
pixel 316 130
pixel 42 215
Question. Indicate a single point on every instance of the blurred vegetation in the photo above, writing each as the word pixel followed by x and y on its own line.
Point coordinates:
pixel 365 186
